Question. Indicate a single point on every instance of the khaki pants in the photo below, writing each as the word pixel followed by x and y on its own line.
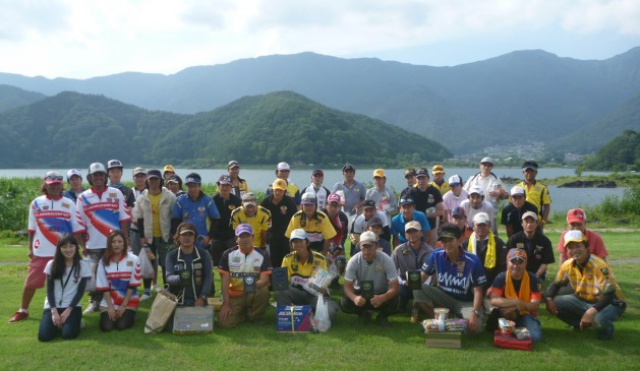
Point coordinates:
pixel 247 307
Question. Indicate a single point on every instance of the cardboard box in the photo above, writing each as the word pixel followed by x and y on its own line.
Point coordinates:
pixel 193 320
pixel 296 318
pixel 444 339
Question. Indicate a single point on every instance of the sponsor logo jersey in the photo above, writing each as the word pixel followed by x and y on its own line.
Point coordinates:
pixel 456 278
pixel 300 273
pixel 99 214
pixel 48 220
pixel 117 278
pixel 239 265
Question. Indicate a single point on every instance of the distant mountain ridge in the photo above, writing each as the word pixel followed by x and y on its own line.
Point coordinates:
pixel 513 98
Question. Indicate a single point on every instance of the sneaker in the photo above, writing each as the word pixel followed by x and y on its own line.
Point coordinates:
pixel 19 316
pixel 93 307
pixel 145 296
pixel 492 320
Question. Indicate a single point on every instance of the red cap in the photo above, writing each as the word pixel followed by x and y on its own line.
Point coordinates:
pixel 576 216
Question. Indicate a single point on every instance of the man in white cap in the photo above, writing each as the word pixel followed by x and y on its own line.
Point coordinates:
pixel 489 248
pixel 255 215
pixel 283 170
pixel 74 178
pixel 371 282
pixel 492 186
pixel 477 204
pixel 537 245
pixel 384 197
pixel 512 213
pixel 454 197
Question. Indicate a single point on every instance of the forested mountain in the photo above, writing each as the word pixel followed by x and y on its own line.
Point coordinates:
pixel 519 97
pixel 74 129
pixel 620 153
pixel 12 97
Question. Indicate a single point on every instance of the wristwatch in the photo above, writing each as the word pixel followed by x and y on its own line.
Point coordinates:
pixel 476 312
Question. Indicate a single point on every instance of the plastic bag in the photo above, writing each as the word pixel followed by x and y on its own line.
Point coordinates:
pixel 321 318
pixel 91 282
pixel 146 267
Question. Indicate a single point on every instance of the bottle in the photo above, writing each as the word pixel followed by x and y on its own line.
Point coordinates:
pixel 415 315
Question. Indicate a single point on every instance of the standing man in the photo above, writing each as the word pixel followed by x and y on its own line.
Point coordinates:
pixel 321 192
pixel 50 216
pixel 536 244
pixel 492 187
pixel 577 221
pixel 490 249
pixel 453 198
pixel 282 208
pixel 100 209
pixel 353 192
pixel 371 283
pixel 408 213
pixel 244 272
pixel 458 277
pixel 240 186
pixel 153 212
pixel 384 198
pixel 223 236
pixel 512 213
pixel 114 169
pixel 197 208
pixel 140 181
pixel 537 193
pixel 476 204
pixel 168 172
pixel 175 185
pixel 596 298
pixel 258 217
pixel 410 256
pixel 410 176
pixel 283 170
pixel 438 179
pixel 359 225
pixel 74 178
pixel 427 199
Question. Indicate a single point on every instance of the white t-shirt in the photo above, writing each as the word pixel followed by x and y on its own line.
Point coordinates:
pixel 65 289
pixel 471 212
pixel 450 201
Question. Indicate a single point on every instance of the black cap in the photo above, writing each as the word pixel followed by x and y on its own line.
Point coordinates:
pixel 193 178
pixel 369 203
pixel 530 165
pixel 154 174
pixel 409 172
pixel 348 167
pixel 406 201
pixel 422 172
pixel 448 231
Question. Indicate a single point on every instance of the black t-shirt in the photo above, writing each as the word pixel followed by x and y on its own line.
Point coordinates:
pixel 281 213
pixel 222 229
pixel 425 200
pixel 539 249
pixel 513 217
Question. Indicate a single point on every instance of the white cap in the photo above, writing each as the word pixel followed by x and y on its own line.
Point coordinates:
pixel 481 218
pixel 486 159
pixel 97 167
pixel 477 190
pixel 298 234
pixel 573 236
pixel 73 172
pixel 283 166
pixel 368 236
pixel 455 179
pixel 530 214
pixel 517 191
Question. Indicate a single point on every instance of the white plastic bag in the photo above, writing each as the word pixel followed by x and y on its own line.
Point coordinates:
pixel 321 318
pixel 147 270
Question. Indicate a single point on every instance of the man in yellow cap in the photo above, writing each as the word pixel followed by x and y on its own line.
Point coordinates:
pixel 438 179
pixel 168 172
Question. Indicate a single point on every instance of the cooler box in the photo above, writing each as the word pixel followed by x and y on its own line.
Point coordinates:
pixel 193 320
pixel 511 341
pixel 294 318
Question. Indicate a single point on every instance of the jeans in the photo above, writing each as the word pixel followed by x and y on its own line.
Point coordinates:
pixel 571 309
pixel 388 308
pixel 532 324
pixel 95 255
pixel 70 330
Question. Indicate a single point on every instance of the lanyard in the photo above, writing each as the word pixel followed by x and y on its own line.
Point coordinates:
pixel 64 284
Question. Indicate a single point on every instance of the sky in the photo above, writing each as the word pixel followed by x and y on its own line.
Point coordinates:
pixel 82 39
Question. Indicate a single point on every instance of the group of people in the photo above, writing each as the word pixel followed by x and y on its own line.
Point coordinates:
pixel 435 246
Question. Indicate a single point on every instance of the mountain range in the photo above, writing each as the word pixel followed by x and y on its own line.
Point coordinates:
pixel 519 97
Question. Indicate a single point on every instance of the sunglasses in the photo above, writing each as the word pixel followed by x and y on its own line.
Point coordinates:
pixel 50 177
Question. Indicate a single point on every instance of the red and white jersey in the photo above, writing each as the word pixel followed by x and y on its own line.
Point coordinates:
pixel 48 220
pixel 99 214
pixel 118 277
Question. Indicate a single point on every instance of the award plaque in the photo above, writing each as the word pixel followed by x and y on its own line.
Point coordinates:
pixel 280 279
pixel 250 283
pixel 367 289
pixel 415 283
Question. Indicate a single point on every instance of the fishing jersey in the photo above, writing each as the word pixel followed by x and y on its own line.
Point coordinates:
pixel 456 278
pixel 48 220
pixel 101 213
pixel 238 265
pixel 117 278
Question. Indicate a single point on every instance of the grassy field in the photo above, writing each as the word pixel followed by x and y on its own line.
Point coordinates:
pixel 345 346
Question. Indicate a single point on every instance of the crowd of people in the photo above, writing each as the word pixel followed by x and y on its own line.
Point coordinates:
pixel 435 245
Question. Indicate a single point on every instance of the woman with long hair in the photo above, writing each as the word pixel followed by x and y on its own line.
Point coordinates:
pixel 67 277
pixel 118 276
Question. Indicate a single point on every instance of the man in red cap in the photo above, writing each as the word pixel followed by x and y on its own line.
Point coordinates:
pixel 577 220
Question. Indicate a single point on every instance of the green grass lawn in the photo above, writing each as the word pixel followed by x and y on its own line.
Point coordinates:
pixel 345 346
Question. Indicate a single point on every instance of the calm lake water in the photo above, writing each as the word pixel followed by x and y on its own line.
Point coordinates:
pixel 563 198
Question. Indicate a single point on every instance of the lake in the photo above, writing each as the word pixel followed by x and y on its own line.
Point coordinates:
pixel 258 179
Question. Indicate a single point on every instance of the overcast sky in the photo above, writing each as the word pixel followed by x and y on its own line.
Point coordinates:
pixel 82 39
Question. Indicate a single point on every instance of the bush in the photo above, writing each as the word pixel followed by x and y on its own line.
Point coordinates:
pixel 15 198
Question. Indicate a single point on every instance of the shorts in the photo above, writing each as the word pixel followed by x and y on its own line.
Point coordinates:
pixel 36 277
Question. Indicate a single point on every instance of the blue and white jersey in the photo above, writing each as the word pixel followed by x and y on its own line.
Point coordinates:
pixel 456 278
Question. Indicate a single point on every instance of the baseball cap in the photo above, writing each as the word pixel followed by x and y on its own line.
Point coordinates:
pixel 517 254
pixel 114 164
pixel 455 180
pixel 53 177
pixel 374 221
pixel 412 225
pixel 573 236
pixel 279 184
pixel 530 165
pixel 409 172
pixel 438 169
pixel 481 218
pixel 73 172
pixel 138 171
pixel 244 228
pixel 308 198
pixel 422 172
pixel 169 168
pixel 283 166
pixel 224 179
pixel 379 173
pixel 97 167
pixel 317 172
pixel 530 214
pixel 233 163
pixel 369 237
pixel 348 167
pixel 369 203
pixel 406 201
pixel 192 178
pixel 249 198
pixel 298 234
pixel 576 215
pixel 477 190
pixel 334 197
pixel 175 179
pixel 448 232
pixel 154 174
pixel 486 160
pixel 517 191
pixel 187 229
pixel 459 211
